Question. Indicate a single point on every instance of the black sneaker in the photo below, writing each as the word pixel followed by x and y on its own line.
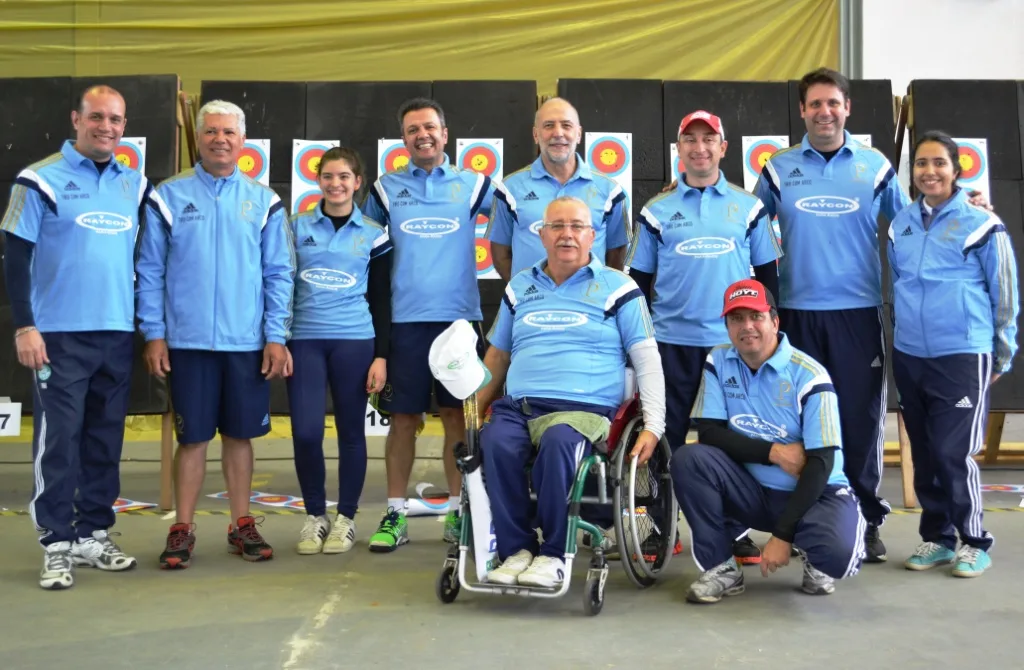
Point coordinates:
pixel 873 546
pixel 181 541
pixel 746 552
pixel 246 540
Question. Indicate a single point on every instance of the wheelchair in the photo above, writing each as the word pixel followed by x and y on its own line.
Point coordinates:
pixel 642 501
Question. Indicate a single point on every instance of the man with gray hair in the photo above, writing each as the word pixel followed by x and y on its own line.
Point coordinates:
pixel 216 275
pixel 570 308
pixel 514 229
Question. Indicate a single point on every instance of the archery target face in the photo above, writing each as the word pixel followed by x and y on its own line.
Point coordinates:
pixel 394 157
pixel 131 152
pixel 254 161
pixel 972 161
pixel 308 201
pixel 759 153
pixel 609 156
pixel 481 157
pixel 307 162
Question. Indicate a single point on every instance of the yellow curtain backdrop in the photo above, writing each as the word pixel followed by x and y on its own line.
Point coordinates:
pixel 367 40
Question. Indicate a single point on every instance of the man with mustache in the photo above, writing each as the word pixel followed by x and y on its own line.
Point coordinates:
pixel 429 207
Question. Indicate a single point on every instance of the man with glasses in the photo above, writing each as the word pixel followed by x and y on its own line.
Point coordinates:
pixel 570 308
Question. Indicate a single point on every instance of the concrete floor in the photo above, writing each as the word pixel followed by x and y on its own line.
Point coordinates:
pixel 363 610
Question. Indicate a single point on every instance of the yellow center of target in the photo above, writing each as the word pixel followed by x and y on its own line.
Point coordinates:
pixel 124 159
pixel 763 157
pixel 481 254
pixel 401 161
pixel 247 163
pixel 314 164
pixel 608 156
pixel 966 162
pixel 479 162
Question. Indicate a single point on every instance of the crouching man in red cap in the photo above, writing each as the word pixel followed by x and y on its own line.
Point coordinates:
pixel 769 455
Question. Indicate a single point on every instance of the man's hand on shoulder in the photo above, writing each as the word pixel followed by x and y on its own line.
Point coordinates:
pixel 790 457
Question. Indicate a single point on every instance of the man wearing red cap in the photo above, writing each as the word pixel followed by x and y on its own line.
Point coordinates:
pixel 691 244
pixel 769 454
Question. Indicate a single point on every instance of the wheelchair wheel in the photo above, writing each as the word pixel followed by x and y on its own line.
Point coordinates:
pixel 645 509
pixel 447 584
pixel 593 591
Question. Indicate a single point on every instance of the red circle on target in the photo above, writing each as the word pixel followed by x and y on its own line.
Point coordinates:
pixel 480 158
pixel 970 162
pixel 271 499
pixel 128 155
pixel 309 161
pixel 760 154
pixel 483 254
pixel 250 161
pixel 608 156
pixel 308 202
pixel 396 157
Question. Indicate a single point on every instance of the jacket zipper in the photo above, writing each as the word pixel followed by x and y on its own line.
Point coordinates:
pixel 216 264
pixel 924 290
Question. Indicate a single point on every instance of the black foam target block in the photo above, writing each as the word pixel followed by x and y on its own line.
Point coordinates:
pixel 15 379
pixel 643 191
pixel 491 291
pixel 274 110
pixel 5 194
pixel 623 106
pixel 151 107
pixel 357 114
pixel 871 113
pixel 746 108
pixel 284 191
pixel 148 394
pixel 491 109
pixel 35 113
pixel 966 109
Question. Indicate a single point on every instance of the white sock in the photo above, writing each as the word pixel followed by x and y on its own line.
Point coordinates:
pixel 399 504
pixel 453 503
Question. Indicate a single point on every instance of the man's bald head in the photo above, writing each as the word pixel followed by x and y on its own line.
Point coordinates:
pixel 557 131
pixel 99 122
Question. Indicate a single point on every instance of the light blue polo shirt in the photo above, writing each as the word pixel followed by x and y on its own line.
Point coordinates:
pixel 789 399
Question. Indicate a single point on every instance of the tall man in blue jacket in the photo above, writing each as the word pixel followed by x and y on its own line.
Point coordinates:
pixel 71 228
pixel 216 274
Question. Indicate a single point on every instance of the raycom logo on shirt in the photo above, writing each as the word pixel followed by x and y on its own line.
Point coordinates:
pixel 555 319
pixel 332 280
pixel 430 226
pixel 706 246
pixel 757 427
pixel 106 223
pixel 827 205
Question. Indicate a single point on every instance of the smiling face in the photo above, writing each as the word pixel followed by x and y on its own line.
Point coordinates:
pixel 99 124
pixel 338 182
pixel 935 171
pixel 424 137
pixel 753 333
pixel 220 143
pixel 557 132
pixel 701 150
pixel 824 113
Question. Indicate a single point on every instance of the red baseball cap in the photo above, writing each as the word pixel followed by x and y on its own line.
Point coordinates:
pixel 706 117
pixel 748 293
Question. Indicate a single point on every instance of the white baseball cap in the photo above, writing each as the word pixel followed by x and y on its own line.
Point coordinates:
pixel 454 362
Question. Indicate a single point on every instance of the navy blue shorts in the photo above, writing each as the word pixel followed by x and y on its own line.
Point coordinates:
pixel 409 380
pixel 218 391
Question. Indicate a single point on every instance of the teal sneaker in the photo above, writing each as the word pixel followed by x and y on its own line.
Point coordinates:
pixel 452 528
pixel 928 555
pixel 392 532
pixel 971 562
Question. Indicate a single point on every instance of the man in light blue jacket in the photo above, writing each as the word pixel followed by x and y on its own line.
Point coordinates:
pixel 216 274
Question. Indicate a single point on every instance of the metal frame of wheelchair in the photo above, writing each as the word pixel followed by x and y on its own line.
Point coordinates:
pixel 642 573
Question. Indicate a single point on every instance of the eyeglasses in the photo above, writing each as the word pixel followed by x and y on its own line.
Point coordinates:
pixel 576 228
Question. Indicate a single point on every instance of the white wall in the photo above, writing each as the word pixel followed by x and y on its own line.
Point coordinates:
pixel 942 39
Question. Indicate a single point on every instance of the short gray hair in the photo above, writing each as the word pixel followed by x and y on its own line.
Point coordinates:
pixel 569 200
pixel 220 107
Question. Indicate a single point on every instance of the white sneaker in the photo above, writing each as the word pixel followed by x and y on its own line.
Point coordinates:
pixel 545 571
pixel 314 530
pixel 99 551
pixel 509 571
pixel 816 582
pixel 342 535
pixel 58 570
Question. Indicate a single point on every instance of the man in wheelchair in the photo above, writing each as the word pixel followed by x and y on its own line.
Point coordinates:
pixel 559 346
pixel 769 454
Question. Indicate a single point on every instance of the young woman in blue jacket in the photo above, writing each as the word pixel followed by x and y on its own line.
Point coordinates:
pixel 955 306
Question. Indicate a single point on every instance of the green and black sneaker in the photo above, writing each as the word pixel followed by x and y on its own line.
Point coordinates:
pixel 392 532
